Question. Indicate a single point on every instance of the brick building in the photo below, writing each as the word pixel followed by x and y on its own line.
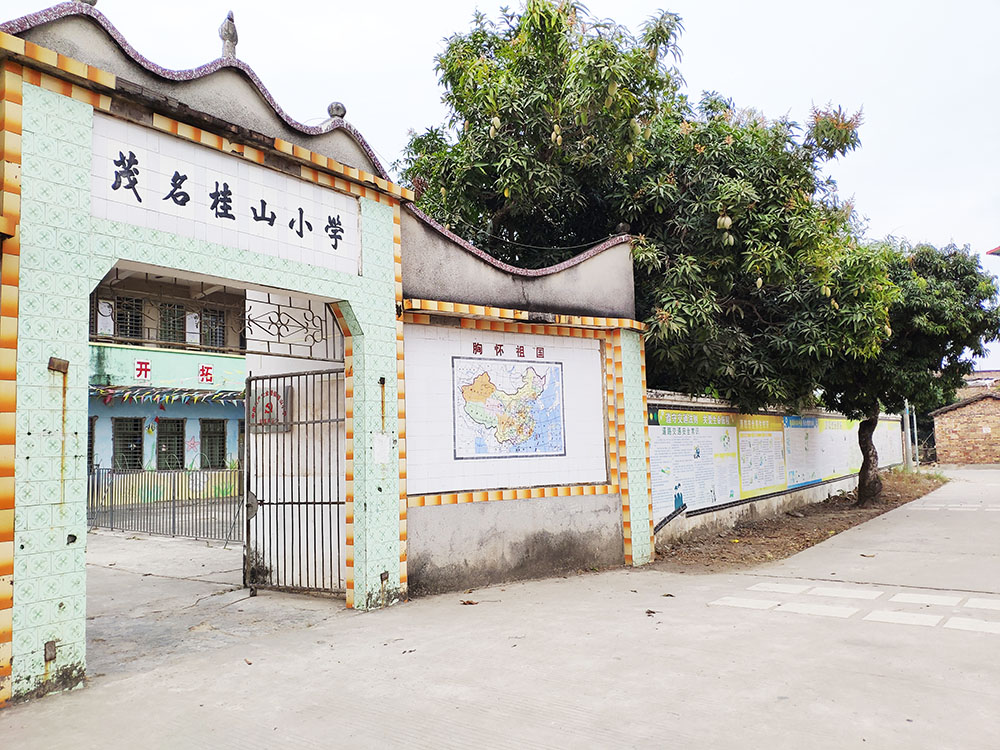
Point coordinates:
pixel 968 431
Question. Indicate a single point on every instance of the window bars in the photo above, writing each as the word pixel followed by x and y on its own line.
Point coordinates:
pixel 213 328
pixel 128 317
pixel 172 323
pixel 126 433
pixel 213 443
pixel 170 444
pixel 224 321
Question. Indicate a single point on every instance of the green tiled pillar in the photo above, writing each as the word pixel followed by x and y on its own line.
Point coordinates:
pixel 50 459
pixel 376 570
pixel 635 447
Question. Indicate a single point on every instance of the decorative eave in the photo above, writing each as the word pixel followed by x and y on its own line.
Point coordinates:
pixel 104 82
pixel 506 267
pixel 965 402
pixel 509 315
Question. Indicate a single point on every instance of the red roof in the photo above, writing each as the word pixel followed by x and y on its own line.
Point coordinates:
pixel 994 251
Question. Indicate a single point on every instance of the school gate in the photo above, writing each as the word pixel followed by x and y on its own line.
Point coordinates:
pixel 142 206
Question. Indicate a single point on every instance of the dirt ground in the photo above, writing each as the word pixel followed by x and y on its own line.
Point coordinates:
pixel 757 540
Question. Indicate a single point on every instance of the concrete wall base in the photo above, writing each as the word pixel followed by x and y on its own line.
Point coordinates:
pixel 685 525
pixel 455 547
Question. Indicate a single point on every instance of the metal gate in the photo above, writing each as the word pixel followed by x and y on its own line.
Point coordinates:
pixel 293 464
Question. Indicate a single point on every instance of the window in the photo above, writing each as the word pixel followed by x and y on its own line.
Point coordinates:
pixel 170 444
pixel 213 443
pixel 213 328
pixel 173 323
pixel 128 317
pixel 127 443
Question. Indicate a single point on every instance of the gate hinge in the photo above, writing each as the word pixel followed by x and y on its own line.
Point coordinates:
pixel 252 504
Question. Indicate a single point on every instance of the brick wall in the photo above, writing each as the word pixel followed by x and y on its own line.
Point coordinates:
pixel 969 434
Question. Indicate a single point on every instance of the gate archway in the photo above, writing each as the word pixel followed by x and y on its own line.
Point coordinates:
pixel 241 405
pixel 72 226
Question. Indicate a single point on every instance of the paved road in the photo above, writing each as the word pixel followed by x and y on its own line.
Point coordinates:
pixel 885 636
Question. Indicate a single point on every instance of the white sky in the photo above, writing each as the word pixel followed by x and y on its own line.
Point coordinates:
pixel 925 74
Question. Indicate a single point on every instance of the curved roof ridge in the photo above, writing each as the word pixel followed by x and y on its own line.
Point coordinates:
pixel 74 8
pixel 506 267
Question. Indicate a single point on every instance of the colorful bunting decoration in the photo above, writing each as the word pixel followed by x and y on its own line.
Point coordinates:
pixel 163 396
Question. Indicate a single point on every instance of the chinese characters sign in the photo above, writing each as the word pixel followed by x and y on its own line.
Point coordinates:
pixel 518 350
pixel 495 409
pixel 693 459
pixel 205 372
pixel 150 179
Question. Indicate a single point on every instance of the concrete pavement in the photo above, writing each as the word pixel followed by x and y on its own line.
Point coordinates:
pixel 150 599
pixel 884 636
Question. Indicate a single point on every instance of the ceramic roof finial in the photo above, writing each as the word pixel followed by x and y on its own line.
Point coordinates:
pixel 227 32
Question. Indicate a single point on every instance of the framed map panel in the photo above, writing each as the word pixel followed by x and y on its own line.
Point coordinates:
pixel 507 408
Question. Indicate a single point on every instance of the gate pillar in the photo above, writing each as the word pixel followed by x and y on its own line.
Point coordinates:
pixel 375 554
pixel 633 446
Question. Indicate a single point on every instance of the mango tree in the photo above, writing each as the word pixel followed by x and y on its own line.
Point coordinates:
pixel 944 314
pixel 564 129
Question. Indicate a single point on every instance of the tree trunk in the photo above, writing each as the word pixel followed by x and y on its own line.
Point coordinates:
pixel 869 482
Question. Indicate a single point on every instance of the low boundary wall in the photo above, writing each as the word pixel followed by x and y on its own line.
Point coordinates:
pixel 711 465
pixel 717 519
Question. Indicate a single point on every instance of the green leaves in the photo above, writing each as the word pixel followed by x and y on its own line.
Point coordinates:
pixel 833 132
pixel 748 272
pixel 944 308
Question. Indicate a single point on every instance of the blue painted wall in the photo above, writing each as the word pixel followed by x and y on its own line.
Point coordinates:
pixel 103 444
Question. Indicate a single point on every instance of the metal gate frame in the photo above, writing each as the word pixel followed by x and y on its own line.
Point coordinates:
pixel 292 468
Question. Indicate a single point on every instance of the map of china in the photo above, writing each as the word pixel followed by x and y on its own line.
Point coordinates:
pixel 509 414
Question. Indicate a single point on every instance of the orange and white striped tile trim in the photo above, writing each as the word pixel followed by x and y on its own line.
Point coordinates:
pixel 348 453
pixel 64 87
pixel 397 256
pixel 11 84
pixel 645 430
pixel 563 323
pixel 71 72
pixel 522 493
